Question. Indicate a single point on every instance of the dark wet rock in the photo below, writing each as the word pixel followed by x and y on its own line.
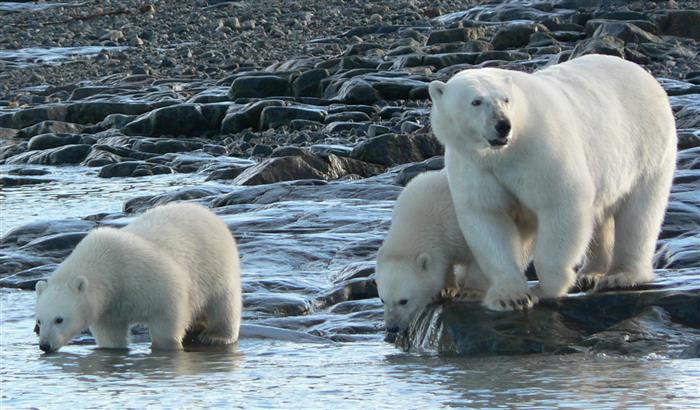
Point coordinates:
pixel 679 252
pixel 27 279
pixel 627 32
pixel 24 234
pixel 181 119
pixel 166 145
pixel 393 149
pixel 599 45
pixel 406 174
pixel 306 190
pixel 133 169
pixel 688 139
pixel 273 116
pixel 680 23
pixel 604 322
pixel 259 86
pixel 13 262
pixel 91 112
pixel 28 171
pixel 230 172
pixel 141 204
pixel 308 84
pixel 515 35
pixel 261 150
pixel 53 127
pixel 10 181
pixel 455 35
pixel 287 151
pixel 58 245
pixel 47 141
pixel 305 166
pixel 325 150
pixel 67 154
pixel 354 271
pixel 347 116
pixel 239 118
pixel 341 126
pixel 501 55
pixel 277 304
pixel 353 289
pixel 352 306
pixel 354 91
pixel 7 133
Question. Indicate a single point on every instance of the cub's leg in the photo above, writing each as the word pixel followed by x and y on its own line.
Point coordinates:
pixel 111 335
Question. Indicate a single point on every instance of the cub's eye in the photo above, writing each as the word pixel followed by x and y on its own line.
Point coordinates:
pixel 58 320
pixel 382 300
pixel 476 102
pixel 507 100
pixel 403 301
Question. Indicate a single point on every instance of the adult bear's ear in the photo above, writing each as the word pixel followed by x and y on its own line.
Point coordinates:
pixel 436 89
pixel 80 284
pixel 40 286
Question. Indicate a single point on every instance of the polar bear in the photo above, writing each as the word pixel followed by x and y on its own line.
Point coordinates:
pixel 175 266
pixel 425 253
pixel 585 146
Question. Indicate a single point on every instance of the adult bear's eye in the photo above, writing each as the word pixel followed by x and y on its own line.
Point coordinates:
pixel 507 100
pixel 58 320
pixel 403 301
pixel 476 102
pixel 382 300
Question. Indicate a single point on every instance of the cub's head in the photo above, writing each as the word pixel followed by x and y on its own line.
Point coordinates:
pixel 61 312
pixel 407 283
pixel 473 110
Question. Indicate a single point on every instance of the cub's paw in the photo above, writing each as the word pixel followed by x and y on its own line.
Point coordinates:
pixel 588 280
pixel 623 280
pixel 509 298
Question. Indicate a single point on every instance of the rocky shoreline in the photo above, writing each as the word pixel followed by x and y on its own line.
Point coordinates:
pixel 281 102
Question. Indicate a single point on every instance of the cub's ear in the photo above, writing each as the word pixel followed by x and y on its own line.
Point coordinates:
pixel 80 284
pixel 40 286
pixel 436 89
pixel 423 261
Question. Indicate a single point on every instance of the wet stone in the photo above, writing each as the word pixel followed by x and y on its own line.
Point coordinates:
pixel 259 87
pixel 273 117
pixel 133 169
pixel 515 35
pixel 53 127
pixel 10 181
pixel 393 149
pixel 454 35
pixel 353 289
pixel 47 141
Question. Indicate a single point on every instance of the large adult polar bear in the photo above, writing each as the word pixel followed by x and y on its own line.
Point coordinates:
pixel 585 146
pixel 173 267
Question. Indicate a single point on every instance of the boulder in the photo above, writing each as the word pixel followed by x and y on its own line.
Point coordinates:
pixel 393 149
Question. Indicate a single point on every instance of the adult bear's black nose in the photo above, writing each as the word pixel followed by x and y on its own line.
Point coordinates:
pixel 45 347
pixel 503 128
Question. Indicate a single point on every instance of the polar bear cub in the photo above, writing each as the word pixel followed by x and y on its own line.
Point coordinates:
pixel 172 267
pixel 587 148
pixel 425 253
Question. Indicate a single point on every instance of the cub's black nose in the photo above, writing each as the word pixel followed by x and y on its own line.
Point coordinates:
pixel 45 347
pixel 503 128
pixel 393 329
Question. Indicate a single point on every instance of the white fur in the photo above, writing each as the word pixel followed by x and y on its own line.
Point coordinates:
pixel 172 267
pixel 592 149
pixel 424 252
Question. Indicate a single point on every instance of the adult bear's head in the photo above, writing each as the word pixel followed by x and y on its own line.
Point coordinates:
pixel 474 109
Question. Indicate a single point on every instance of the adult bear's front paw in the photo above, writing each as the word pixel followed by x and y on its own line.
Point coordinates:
pixel 510 297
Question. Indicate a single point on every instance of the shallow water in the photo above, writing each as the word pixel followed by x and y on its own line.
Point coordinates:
pixel 291 249
pixel 27 57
